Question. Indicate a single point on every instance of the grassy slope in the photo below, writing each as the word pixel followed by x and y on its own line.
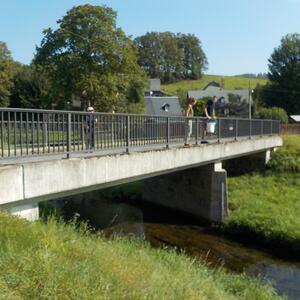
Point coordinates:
pixel 231 82
pixel 268 205
pixel 54 261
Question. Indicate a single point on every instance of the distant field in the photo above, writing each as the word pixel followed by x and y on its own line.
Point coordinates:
pixel 230 82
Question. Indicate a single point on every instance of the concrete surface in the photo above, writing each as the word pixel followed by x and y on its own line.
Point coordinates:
pixel 32 182
pixel 200 191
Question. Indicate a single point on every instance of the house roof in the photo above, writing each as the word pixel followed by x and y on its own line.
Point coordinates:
pixel 212 83
pixel 295 118
pixel 211 91
pixel 162 106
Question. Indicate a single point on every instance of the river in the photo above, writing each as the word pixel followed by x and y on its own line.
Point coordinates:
pixel 161 226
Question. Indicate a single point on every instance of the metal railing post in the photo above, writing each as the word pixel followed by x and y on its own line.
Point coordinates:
pixel 69 134
pixel 219 131
pixel 236 129
pixel 271 127
pixel 2 134
pixel 250 129
pixel 197 131
pixel 168 132
pixel 127 133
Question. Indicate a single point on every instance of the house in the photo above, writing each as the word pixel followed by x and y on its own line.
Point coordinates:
pixel 295 118
pixel 163 106
pixel 213 89
pixel 157 103
pixel 153 88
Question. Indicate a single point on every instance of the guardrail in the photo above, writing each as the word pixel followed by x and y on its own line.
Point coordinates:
pixel 26 133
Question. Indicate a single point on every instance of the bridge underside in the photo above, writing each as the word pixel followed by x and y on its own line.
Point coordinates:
pixel 190 179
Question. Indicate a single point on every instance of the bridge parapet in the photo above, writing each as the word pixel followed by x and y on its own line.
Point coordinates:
pixel 28 133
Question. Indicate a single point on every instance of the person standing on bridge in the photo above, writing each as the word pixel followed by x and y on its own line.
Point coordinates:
pixel 189 114
pixel 90 122
pixel 209 112
pixel 210 108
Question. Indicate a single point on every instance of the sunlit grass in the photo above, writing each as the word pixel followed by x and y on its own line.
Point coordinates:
pixel 230 82
pixel 58 261
pixel 268 205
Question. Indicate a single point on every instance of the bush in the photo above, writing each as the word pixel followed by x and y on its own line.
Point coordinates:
pixel 273 113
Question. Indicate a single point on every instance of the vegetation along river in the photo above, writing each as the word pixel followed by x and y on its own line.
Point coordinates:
pixel 165 227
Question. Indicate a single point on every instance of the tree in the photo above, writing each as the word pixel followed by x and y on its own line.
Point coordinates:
pixel 284 75
pixel 32 88
pixel 195 61
pixel 160 56
pixel 171 57
pixel 237 106
pixel 91 59
pixel 7 68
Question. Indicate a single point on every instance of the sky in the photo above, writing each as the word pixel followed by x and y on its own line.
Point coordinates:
pixel 237 36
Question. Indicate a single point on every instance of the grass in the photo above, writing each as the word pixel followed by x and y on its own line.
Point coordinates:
pixel 59 261
pixel 230 82
pixel 267 206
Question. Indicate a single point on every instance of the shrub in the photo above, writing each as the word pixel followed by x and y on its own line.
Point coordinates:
pixel 273 113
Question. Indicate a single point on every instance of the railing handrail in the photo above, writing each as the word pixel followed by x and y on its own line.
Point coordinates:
pixel 49 111
pixel 27 132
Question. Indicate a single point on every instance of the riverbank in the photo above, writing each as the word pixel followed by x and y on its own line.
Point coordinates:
pixel 56 260
pixel 265 207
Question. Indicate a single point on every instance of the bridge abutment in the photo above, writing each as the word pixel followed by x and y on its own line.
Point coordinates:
pixel 200 191
pixel 29 212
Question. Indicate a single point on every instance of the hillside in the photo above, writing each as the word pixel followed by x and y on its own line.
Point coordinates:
pixel 230 82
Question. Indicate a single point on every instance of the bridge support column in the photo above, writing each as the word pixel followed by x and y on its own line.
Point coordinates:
pixel 28 211
pixel 200 191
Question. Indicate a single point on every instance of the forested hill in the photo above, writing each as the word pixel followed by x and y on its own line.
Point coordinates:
pixel 230 82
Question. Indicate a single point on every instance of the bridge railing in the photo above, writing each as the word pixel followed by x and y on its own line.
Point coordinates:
pixel 26 133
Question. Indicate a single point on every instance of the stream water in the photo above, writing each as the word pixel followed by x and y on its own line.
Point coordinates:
pixel 161 226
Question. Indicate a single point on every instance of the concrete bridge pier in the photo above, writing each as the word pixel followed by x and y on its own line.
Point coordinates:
pixel 200 191
pixel 29 212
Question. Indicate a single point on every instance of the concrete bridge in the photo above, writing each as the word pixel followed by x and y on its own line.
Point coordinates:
pixel 70 152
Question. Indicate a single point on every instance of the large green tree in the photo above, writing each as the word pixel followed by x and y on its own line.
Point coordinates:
pixel 7 69
pixel 171 57
pixel 284 74
pixel 88 57
pixel 195 61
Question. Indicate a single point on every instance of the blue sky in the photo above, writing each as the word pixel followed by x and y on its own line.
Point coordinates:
pixel 237 36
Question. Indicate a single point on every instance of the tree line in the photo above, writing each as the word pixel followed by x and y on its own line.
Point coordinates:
pixel 88 58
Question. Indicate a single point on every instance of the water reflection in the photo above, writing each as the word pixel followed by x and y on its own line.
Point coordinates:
pixel 162 226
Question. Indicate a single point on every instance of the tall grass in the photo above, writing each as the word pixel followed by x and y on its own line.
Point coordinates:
pixel 59 261
pixel 267 206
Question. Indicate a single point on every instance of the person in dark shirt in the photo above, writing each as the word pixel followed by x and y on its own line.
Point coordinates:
pixel 209 110
pixel 90 121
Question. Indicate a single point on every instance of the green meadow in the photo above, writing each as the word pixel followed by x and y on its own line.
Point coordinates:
pixel 267 206
pixel 230 82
